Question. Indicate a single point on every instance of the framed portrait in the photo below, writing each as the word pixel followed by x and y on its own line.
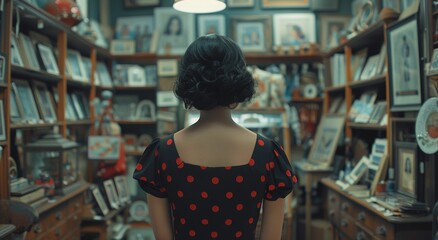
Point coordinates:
pixel 104 75
pixel 77 106
pixel 175 30
pixel 151 75
pixel 74 61
pixel 252 33
pixel 140 3
pixel 139 29
pixel 122 47
pixel 208 24
pixel 70 112
pixel 47 59
pixel 44 101
pixel 434 63
pixel 122 189
pixel 145 110
pixel 359 61
pixel 125 106
pixel 404 64
pixel 103 147
pixel 101 204
pixel 27 101
pixel 136 76
pixel 358 171
pixel 111 193
pixel 330 28
pixel 167 67
pixel 370 68
pixel 27 46
pixel 406 168
pixel 240 3
pixel 15 52
pixel 294 29
pixel 83 103
pixel 16 111
pixel 2 68
pixel 285 3
pixel 2 122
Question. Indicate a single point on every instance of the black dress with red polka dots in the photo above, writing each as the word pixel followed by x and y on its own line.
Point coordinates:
pixel 215 202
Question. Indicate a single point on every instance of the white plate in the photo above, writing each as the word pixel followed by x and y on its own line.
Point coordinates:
pixel 426 126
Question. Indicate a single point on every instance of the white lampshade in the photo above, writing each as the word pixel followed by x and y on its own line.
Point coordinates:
pixel 199 6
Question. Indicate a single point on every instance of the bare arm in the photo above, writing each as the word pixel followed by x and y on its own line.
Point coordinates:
pixel 160 217
pixel 272 220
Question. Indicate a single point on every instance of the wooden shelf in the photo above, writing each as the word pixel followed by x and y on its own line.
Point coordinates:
pixel 307 100
pixel 132 88
pixel 102 88
pixel 366 126
pixel 3 85
pixel 335 89
pixel 25 73
pixel 135 122
pixel 78 122
pixel 407 120
pixel 134 153
pixel 32 126
pixel 77 83
pixel 272 58
pixel 370 82
pixel 3 143
pixel 108 216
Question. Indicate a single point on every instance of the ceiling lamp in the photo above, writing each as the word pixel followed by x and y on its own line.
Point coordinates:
pixel 199 6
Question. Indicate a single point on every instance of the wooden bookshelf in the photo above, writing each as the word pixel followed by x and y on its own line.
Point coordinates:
pixel 34 126
pixel 378 80
pixel 335 89
pixel 367 126
pixel 135 122
pixel 22 72
pixel 131 88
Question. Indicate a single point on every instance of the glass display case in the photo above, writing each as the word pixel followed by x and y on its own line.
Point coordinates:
pixel 53 161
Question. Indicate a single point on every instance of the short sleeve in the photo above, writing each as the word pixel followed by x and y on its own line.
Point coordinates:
pixel 281 176
pixel 147 171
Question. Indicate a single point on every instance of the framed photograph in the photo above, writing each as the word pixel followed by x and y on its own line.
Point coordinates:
pixel 151 75
pixel 294 29
pixel 15 52
pixel 358 171
pixel 122 189
pixel 143 141
pixel 285 3
pixel 130 142
pixel 240 3
pixel 125 106
pixel 167 67
pixel 103 208
pixel 27 101
pixel 175 30
pixel 166 99
pixel 104 75
pixel 370 69
pixel 252 33
pixel 44 101
pixel 86 62
pixel 83 103
pixel 93 27
pixel 103 147
pixel 330 29
pixel 139 29
pixel 140 3
pixel 70 112
pixel 2 122
pixel 122 47
pixel 2 68
pixel 77 106
pixel 434 64
pixel 16 111
pixel 74 61
pixel 136 76
pixel 27 46
pixel 111 193
pixel 406 168
pixel 47 59
pixel 145 110
pixel 208 24
pixel 405 72
pixel 359 61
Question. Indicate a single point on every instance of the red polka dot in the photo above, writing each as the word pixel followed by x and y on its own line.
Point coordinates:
pixel 238 234
pixel 228 167
pixel 239 179
pixel 180 194
pixel 169 178
pixel 169 141
pixel 190 179
pixel 253 194
pixel 203 167
pixel 228 222
pixel 250 220
pixel 156 152
pixel 215 208
pixel 213 235
pixel 271 187
pixel 239 207
pixel 163 189
pixel 181 165
pixel 144 179
pixel 288 173
pixel 215 180
pixel 204 221
pixel 259 204
pixel 261 142
pixel 192 233
pixel 163 166
pixel 204 195
pixel 152 182
pixel 268 195
pixel 267 166
pixel 271 164
pixel 281 184
pixel 182 221
pixel 294 179
pixel 262 178
pixel 276 153
pixel 251 162
pixel 229 195
pixel 138 167
pixel 178 161
pixel 193 207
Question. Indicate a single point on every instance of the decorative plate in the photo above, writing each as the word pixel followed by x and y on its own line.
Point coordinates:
pixel 139 211
pixel 426 126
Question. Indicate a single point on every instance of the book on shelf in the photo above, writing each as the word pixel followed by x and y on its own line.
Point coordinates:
pixel 18 192
pixel 31 196
pixel 338 71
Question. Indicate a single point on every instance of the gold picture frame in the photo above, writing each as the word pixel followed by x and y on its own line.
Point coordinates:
pixel 252 33
pixel 285 3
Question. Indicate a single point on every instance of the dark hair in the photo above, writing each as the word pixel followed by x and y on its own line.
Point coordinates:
pixel 169 22
pixel 213 73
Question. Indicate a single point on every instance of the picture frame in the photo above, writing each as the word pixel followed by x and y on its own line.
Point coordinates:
pixel 16 58
pixel 111 194
pixel 370 69
pixel 145 110
pixel 16 111
pixel 291 30
pixel 83 103
pixel 86 63
pixel 125 106
pixel 77 107
pixel 93 28
pixel 330 27
pixel 175 30
pixel 27 46
pixel 130 142
pixel 143 141
pixel 2 122
pixel 27 100
pixel 208 24
pixel 358 171
pixel 167 67
pixel 359 62
pixel 252 33
pixel 167 99
pixel 3 65
pixel 404 71
pixel 136 76
pixel 74 62
pixel 122 189
pixel 70 112
pixel 104 75
pixel 434 63
pixel 240 3
pixel 47 59
pixel 285 3
pixel 44 102
pixel 103 147
pixel 122 47
pixel 140 3
pixel 406 165
pixel 140 29
pixel 101 204
pixel 151 75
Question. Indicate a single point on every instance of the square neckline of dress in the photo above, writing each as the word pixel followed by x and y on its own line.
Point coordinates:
pixel 248 163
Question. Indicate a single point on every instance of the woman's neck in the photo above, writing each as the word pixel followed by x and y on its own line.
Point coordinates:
pixel 218 115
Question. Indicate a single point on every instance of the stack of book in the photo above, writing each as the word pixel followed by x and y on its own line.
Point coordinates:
pixel 23 191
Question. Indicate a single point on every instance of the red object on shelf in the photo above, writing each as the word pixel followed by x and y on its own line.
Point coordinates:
pixel 66 11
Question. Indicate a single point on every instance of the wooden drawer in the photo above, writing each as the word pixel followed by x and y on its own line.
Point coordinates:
pixel 347 225
pixel 364 218
pixel 382 230
pixel 362 233
pixel 333 207
pixel 47 221
pixel 347 207
pixel 66 228
pixel 75 205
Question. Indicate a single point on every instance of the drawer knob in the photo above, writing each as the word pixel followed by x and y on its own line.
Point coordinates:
pixel 345 206
pixel 344 223
pixel 58 215
pixel 37 228
pixel 360 236
pixel 381 230
pixel 361 216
